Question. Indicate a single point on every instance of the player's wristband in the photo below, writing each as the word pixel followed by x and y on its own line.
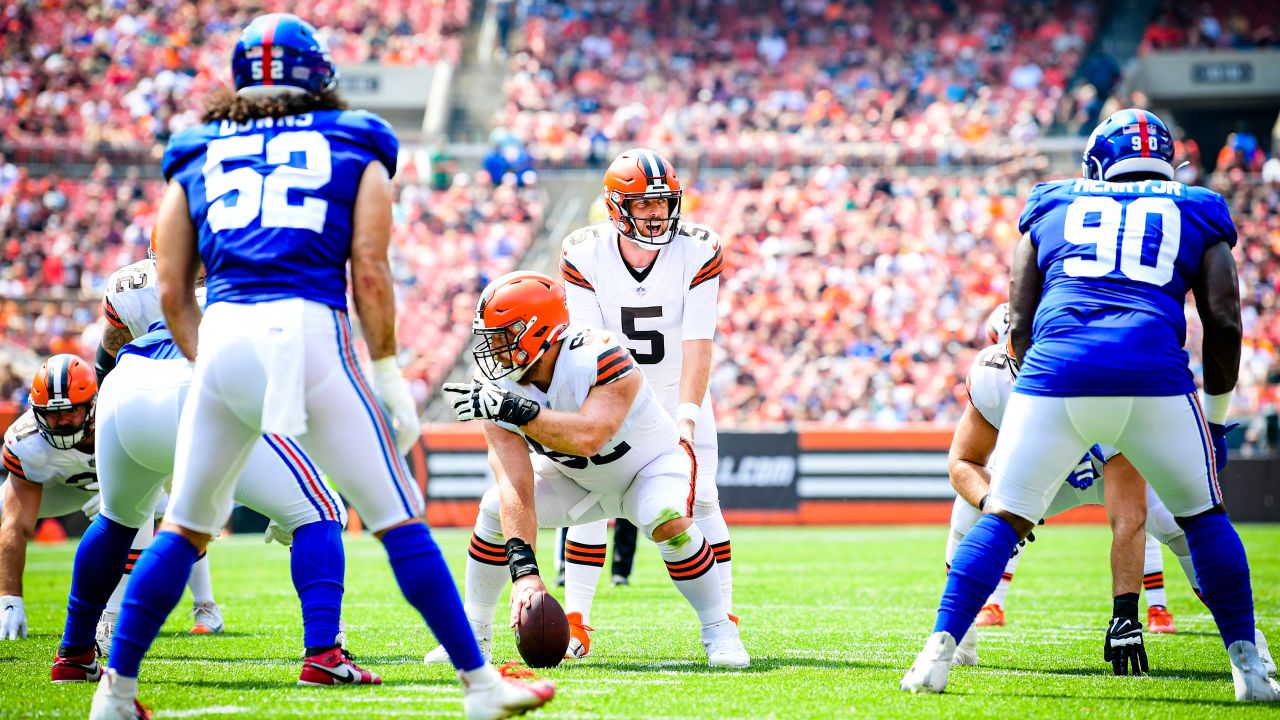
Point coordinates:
pixel 688 411
pixel 1125 606
pixel 1216 407
pixel 520 559
pixel 518 411
pixel 982 504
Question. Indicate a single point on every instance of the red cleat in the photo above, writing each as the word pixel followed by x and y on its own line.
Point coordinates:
pixel 990 616
pixel 1160 620
pixel 76 668
pixel 335 667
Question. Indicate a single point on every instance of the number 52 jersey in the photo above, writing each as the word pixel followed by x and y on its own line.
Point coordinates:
pixel 272 200
pixel 1118 260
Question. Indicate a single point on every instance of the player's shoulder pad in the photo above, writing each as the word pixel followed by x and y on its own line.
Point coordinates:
pixel 990 380
pixel 585 238
pixel 185 147
pixel 600 351
pixel 373 133
pixel 1043 197
pixel 1214 212
pixel 576 263
pixel 20 445
pixel 707 252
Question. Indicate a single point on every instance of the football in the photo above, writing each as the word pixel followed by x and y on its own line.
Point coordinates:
pixel 542 636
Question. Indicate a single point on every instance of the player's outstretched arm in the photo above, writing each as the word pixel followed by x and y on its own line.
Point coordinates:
pixel 17 526
pixel 1025 288
pixel 971 448
pixel 1217 294
pixel 509 459
pixel 585 432
pixel 177 265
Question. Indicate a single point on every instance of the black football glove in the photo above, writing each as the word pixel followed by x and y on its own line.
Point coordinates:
pixel 1123 647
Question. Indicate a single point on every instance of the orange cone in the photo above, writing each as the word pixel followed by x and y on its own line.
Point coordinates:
pixel 50 531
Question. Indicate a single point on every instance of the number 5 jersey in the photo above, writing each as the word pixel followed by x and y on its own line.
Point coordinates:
pixel 1117 260
pixel 272 200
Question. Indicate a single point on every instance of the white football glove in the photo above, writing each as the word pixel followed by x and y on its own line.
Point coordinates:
pixel 389 385
pixel 476 400
pixel 13 618
pixel 93 505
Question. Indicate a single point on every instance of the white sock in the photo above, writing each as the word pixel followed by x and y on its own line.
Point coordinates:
pixel 711 522
pixel 140 543
pixel 487 574
pixel 584 551
pixel 691 563
pixel 1153 573
pixel 998 595
pixel 123 687
pixel 482 676
pixel 200 583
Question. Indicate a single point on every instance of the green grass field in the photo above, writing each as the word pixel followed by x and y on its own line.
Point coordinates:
pixel 831 616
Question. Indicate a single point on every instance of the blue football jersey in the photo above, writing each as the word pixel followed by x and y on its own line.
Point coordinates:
pixel 157 343
pixel 1118 260
pixel 272 200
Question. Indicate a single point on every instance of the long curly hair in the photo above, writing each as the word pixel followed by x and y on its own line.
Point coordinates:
pixel 225 104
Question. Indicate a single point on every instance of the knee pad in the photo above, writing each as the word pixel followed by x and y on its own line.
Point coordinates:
pixel 488 520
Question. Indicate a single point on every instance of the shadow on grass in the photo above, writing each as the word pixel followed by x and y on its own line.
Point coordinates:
pixel 989 693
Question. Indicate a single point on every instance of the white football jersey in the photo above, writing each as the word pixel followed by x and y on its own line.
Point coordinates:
pixel 990 382
pixel 654 310
pixel 132 300
pixel 588 358
pixel 29 456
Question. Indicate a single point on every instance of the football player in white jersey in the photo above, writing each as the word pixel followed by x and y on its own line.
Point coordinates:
pixel 1103 477
pixel 602 447
pixel 129 305
pixel 48 455
pixel 653 281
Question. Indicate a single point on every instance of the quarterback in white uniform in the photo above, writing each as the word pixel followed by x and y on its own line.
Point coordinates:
pixel 602 447
pixel 653 281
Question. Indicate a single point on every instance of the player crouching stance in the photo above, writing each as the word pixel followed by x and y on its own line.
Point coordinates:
pixel 602 447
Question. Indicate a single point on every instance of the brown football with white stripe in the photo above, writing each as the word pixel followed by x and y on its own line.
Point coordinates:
pixel 542 635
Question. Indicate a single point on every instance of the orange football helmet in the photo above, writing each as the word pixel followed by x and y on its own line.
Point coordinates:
pixel 641 173
pixel 64 382
pixel 518 317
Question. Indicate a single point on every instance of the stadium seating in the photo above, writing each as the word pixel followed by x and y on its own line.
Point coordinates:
pixel 730 83
pixel 1215 25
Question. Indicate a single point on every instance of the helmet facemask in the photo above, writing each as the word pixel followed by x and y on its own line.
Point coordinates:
pixel 631 226
pixel 506 343
pixel 63 437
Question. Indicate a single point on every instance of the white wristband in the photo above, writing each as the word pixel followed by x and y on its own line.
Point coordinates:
pixel 688 411
pixel 1216 407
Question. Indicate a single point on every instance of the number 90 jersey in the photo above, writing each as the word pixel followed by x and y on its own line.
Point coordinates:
pixel 589 358
pixel 272 200
pixel 1117 260
pixel 655 309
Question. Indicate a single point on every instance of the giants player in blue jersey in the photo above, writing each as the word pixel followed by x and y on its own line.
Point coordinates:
pixel 275 193
pixel 1099 282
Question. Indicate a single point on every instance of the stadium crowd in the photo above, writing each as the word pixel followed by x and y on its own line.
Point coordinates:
pixel 1220 25
pixel 119 74
pixel 726 83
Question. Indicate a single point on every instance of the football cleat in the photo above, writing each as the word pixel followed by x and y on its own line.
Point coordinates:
pixel 990 616
pixel 967 650
pixel 621 580
pixel 512 690
pixel 106 630
pixel 723 646
pixel 484 637
pixel 76 668
pixel 335 666
pixel 1249 675
pixel 110 703
pixel 1264 652
pixel 928 673
pixel 341 637
pixel 1160 620
pixel 208 618
pixel 579 637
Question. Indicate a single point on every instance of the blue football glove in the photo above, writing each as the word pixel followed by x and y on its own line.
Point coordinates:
pixel 1082 477
pixel 1218 433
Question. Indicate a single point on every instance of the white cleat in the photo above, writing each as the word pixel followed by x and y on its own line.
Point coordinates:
pixel 208 619
pixel 1264 652
pixel 967 650
pixel 106 630
pixel 1249 674
pixel 341 637
pixel 484 637
pixel 506 694
pixel 110 702
pixel 724 646
pixel 929 672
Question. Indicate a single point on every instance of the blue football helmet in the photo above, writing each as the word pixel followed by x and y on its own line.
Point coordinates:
pixel 1130 141
pixel 281 51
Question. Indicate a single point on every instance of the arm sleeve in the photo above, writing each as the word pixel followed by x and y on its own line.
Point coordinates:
pixel 584 308
pixel 699 322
